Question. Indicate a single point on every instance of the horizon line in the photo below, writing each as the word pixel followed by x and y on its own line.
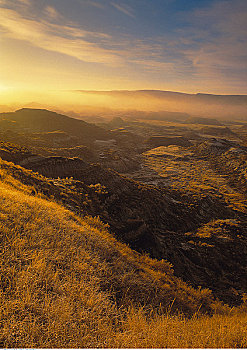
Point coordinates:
pixel 154 90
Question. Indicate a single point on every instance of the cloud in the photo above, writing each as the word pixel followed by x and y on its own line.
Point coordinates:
pixel 96 4
pixel 69 39
pixel 64 39
pixel 154 65
pixel 25 2
pixel 210 46
pixel 124 9
pixel 214 43
pixel 51 12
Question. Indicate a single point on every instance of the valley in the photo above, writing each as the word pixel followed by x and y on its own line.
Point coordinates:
pixel 166 189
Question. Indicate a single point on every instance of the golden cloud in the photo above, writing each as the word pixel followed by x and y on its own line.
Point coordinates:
pixel 63 39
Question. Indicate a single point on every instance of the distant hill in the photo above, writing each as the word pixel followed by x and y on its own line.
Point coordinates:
pixel 209 98
pixel 41 120
pixel 162 115
pixel 209 105
pixel 204 121
pixel 218 131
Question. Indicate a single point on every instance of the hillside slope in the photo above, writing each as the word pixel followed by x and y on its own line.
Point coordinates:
pixel 65 281
pixel 41 120
pixel 166 224
pixel 61 274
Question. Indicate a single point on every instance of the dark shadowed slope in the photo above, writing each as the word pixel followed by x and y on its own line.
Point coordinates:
pixel 41 120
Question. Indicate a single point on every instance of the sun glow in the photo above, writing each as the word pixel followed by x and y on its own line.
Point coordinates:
pixel 3 87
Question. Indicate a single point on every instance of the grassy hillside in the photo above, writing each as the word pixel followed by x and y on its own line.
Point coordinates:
pixel 67 282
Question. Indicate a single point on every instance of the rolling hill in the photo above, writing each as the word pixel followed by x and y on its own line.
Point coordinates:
pixel 40 120
pixel 206 105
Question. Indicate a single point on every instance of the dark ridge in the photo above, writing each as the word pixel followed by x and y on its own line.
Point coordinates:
pixel 42 120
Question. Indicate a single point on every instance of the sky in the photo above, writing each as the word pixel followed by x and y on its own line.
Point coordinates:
pixel 47 46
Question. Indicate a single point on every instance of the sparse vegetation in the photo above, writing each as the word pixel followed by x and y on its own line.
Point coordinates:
pixel 67 282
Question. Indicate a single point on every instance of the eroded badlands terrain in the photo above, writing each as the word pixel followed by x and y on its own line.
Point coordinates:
pixel 174 190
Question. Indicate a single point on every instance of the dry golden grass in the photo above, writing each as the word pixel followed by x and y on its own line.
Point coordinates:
pixel 140 331
pixel 66 282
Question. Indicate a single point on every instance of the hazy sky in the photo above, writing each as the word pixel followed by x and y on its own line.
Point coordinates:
pixel 179 45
